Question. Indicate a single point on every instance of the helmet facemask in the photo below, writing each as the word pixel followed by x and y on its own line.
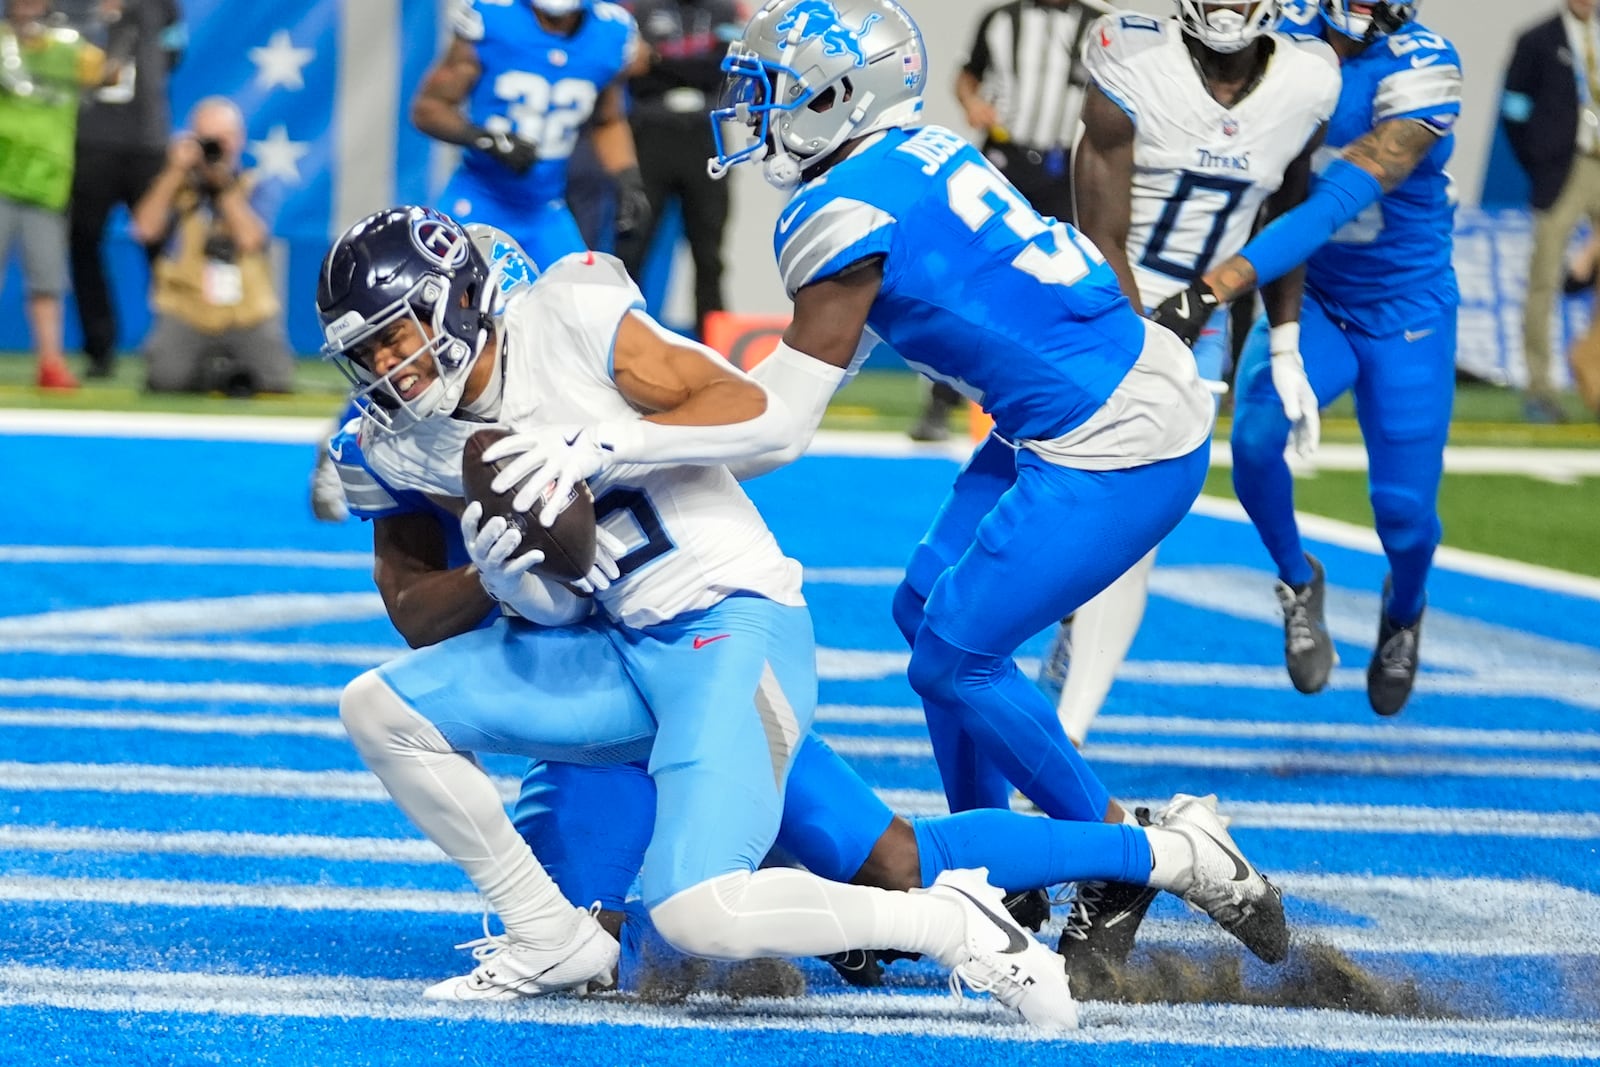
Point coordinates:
pixel 1227 26
pixel 351 343
pixel 810 75
pixel 1378 18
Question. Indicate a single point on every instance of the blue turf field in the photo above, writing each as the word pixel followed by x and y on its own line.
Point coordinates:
pixel 195 868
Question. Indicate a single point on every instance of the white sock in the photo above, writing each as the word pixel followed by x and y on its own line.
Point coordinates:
pixel 1171 860
pixel 785 912
pixel 1102 632
pixel 449 798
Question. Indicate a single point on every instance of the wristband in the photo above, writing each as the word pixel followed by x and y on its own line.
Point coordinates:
pixel 1284 338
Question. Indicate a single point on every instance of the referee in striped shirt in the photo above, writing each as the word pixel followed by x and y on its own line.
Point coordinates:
pixel 1022 88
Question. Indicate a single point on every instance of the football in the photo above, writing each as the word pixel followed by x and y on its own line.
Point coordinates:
pixel 567 543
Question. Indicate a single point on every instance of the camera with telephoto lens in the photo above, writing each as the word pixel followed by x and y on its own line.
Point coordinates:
pixel 211 150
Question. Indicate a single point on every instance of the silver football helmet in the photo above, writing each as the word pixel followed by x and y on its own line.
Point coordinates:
pixel 808 75
pixel 1227 25
pixel 1367 20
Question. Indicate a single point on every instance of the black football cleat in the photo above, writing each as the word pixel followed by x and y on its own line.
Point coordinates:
pixel 1029 907
pixel 1308 650
pixel 1097 937
pixel 859 967
pixel 1393 669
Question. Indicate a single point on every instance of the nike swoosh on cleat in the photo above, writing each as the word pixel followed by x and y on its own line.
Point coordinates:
pixel 1016 942
pixel 1241 869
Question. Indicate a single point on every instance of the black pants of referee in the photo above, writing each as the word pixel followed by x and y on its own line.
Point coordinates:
pixel 102 179
pixel 673 150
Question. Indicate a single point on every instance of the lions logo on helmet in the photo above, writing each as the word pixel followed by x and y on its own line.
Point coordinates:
pixel 819 18
pixel 847 50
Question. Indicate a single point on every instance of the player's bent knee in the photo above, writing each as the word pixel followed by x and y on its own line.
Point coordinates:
pixel 1259 434
pixel 1403 518
pixel 908 610
pixel 700 921
pixel 931 671
pixel 373 715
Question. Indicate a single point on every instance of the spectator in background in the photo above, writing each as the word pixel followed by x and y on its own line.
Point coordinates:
pixel 1551 111
pixel 43 70
pixel 123 131
pixel 672 100
pixel 218 320
pixel 1022 90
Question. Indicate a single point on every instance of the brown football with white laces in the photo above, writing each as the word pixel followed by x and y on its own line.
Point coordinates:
pixel 568 543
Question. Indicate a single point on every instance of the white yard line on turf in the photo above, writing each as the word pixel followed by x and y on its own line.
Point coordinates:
pixel 1560 465
pixel 875 1013
pixel 1255 815
pixel 1379 733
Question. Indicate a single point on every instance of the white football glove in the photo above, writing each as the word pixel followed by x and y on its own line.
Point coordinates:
pixel 1294 389
pixel 557 457
pixel 490 546
pixel 608 549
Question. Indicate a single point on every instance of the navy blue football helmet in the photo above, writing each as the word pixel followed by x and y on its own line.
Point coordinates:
pixel 406 262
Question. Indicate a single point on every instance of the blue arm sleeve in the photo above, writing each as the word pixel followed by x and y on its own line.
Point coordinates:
pixel 1342 192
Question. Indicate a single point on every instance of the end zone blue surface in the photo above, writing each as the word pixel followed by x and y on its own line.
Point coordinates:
pixel 197 869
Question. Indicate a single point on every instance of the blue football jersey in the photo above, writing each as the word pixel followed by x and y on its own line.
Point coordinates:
pixel 1398 251
pixel 1018 312
pixel 542 86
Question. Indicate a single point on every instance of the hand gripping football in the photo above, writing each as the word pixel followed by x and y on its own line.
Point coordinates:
pixel 567 543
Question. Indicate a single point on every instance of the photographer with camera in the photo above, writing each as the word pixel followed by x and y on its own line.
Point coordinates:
pixel 218 320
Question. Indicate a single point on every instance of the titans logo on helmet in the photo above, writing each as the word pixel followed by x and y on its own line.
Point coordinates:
pixel 439 242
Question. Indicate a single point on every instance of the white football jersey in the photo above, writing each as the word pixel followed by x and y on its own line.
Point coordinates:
pixel 693 537
pixel 1201 171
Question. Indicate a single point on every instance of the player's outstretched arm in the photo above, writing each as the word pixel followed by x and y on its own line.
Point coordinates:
pixel 1102 184
pixel 701 412
pixel 427 600
pixel 825 344
pixel 1369 167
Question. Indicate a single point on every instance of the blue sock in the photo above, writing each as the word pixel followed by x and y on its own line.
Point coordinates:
pixel 1028 852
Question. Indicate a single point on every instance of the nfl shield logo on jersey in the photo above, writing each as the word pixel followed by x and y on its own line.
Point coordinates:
pixel 1230 127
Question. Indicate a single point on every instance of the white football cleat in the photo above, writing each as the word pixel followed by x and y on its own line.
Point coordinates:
pixel 509 970
pixel 1003 959
pixel 1227 886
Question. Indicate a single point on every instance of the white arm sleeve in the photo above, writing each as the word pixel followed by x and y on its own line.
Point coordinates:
pixel 806 385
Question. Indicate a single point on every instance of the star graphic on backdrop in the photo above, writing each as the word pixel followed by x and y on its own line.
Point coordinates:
pixel 279 62
pixel 277 156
